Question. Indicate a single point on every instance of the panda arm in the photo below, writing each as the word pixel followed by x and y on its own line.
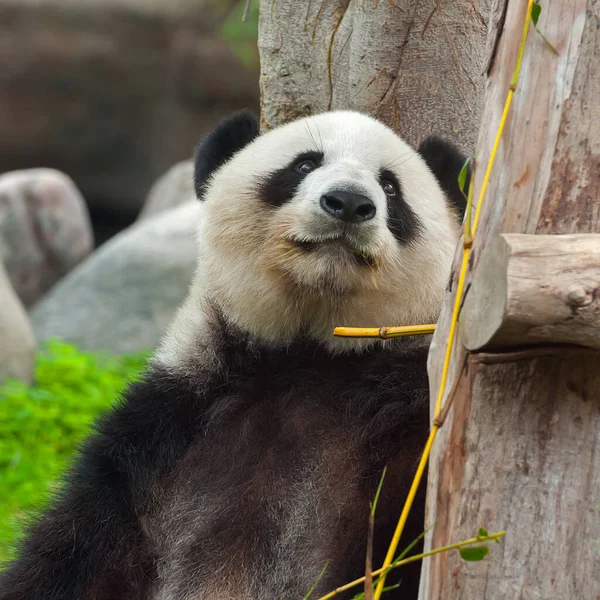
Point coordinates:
pixel 90 544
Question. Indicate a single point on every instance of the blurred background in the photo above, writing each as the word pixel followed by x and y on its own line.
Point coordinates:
pixel 114 92
pixel 102 103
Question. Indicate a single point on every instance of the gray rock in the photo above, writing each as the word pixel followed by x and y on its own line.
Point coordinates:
pixel 174 188
pixel 124 296
pixel 45 230
pixel 17 345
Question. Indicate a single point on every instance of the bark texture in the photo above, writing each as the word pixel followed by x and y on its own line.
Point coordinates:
pixel 520 449
pixel 417 65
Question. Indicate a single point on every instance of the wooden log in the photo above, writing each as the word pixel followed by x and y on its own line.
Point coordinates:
pixel 520 448
pixel 534 289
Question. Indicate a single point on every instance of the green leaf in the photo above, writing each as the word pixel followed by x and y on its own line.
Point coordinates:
pixel 314 585
pixel 413 544
pixel 547 42
pixel 482 532
pixel 474 553
pixel 462 176
pixel 361 595
pixel 376 500
pixel 536 9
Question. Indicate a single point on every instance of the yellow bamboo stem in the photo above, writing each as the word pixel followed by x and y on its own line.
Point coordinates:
pixel 384 332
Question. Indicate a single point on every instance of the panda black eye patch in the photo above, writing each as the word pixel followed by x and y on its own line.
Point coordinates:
pixel 279 187
pixel 402 221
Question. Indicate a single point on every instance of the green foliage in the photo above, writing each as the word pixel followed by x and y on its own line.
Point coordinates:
pixel 243 35
pixel 462 176
pixel 41 425
pixel 536 10
pixel 474 553
pixel 314 585
pixel 361 595
pixel 378 493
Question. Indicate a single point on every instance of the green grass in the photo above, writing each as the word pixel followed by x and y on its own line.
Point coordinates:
pixel 42 425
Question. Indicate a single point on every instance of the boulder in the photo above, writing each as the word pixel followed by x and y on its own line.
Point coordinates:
pixel 174 188
pixel 45 230
pixel 17 342
pixel 114 92
pixel 124 295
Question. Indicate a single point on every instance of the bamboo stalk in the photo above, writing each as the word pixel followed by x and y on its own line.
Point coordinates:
pixel 416 557
pixel 384 332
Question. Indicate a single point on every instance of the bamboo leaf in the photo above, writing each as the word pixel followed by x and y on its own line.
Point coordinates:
pixel 378 492
pixel 474 553
pixel 536 9
pixel 361 595
pixel 545 39
pixel 314 585
pixel 462 176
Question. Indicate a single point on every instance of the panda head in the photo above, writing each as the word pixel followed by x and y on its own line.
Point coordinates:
pixel 331 220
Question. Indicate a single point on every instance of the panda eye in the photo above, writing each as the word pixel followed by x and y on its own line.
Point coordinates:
pixel 305 166
pixel 389 188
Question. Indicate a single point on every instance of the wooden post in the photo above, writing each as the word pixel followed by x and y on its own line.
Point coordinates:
pixel 520 449
pixel 534 289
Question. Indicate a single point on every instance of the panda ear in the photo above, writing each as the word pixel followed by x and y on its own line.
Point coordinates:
pixel 230 135
pixel 446 163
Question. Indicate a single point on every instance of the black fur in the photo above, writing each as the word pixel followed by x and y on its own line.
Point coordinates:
pixel 402 221
pixel 446 163
pixel 245 436
pixel 230 136
pixel 280 186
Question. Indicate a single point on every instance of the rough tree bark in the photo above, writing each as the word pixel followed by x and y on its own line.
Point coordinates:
pixel 520 449
pixel 415 64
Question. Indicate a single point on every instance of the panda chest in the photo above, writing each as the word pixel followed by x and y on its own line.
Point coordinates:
pixel 279 484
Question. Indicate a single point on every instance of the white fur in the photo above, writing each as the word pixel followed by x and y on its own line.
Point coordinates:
pixel 251 269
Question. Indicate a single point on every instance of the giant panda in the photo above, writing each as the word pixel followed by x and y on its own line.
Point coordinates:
pixel 245 461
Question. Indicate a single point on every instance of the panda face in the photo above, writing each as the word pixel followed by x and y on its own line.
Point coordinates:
pixel 338 209
pixel 329 220
pixel 342 192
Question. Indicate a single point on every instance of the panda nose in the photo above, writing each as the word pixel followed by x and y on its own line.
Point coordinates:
pixel 347 206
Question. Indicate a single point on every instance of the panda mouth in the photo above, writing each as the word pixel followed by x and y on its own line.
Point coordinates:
pixel 361 257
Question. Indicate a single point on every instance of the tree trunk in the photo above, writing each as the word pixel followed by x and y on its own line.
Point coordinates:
pixel 520 449
pixel 417 65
